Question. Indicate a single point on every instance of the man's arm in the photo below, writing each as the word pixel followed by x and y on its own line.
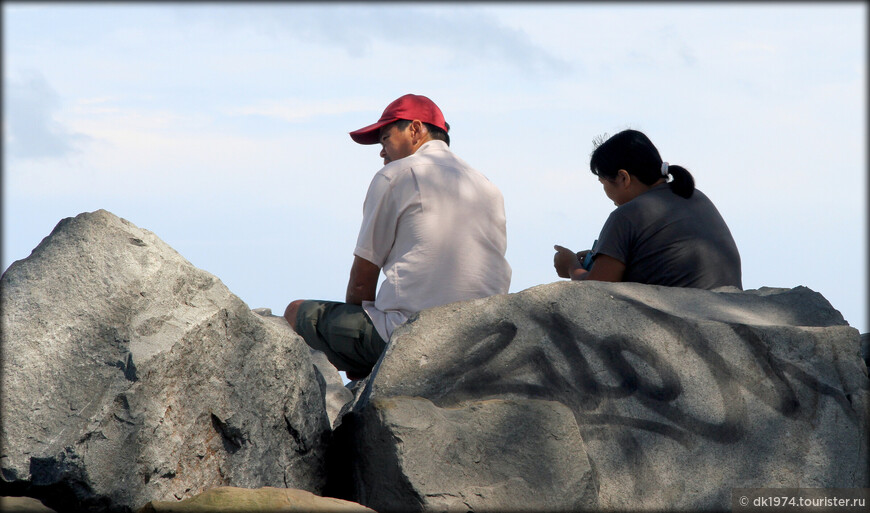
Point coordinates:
pixel 363 281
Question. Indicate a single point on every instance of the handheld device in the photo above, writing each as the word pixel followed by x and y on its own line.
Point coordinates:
pixel 587 260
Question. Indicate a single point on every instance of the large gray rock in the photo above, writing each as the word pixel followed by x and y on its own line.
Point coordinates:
pixel 492 455
pixel 679 395
pixel 336 393
pixel 129 375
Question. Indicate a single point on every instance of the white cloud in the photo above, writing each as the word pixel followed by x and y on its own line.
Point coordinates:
pixel 32 130
pixel 300 109
pixel 468 35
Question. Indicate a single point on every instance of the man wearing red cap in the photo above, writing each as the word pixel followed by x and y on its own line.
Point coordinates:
pixel 431 223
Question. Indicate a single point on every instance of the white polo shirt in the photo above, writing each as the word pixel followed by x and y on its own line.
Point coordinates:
pixel 436 228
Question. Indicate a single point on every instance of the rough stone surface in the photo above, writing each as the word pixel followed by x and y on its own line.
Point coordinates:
pixel 265 500
pixel 337 395
pixel 129 375
pixel 492 455
pixel 23 505
pixel 865 347
pixel 679 394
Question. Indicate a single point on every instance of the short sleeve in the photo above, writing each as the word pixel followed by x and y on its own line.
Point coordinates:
pixel 380 217
pixel 615 238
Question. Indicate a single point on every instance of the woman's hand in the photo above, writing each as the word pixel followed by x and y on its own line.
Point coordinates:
pixel 565 261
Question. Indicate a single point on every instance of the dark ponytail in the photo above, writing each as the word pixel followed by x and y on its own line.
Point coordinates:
pixel 633 151
pixel 683 184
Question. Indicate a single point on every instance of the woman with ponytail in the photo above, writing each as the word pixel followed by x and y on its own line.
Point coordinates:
pixel 663 232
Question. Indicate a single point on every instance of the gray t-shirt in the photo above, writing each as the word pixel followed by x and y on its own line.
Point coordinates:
pixel 665 239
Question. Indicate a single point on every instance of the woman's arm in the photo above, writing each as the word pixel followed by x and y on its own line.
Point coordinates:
pixel 565 261
pixel 604 268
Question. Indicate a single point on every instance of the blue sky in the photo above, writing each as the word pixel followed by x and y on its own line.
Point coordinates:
pixel 222 127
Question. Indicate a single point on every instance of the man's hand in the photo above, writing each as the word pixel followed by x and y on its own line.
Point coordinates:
pixel 565 261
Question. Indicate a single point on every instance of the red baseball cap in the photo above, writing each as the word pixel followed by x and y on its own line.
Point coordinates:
pixel 411 107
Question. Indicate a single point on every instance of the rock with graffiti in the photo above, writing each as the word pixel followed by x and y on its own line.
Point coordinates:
pixel 678 395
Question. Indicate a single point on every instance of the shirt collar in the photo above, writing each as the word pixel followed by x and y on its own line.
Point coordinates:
pixel 434 144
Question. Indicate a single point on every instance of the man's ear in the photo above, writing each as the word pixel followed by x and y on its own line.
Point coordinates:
pixel 418 130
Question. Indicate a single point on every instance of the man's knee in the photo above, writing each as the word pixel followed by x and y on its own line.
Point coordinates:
pixel 291 311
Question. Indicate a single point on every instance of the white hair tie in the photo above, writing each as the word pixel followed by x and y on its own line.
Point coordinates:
pixel 664 169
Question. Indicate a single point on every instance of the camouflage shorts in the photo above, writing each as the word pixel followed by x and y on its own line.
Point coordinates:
pixel 343 331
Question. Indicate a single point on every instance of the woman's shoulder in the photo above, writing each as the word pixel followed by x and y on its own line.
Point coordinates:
pixel 664 193
pixel 701 200
pixel 657 198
